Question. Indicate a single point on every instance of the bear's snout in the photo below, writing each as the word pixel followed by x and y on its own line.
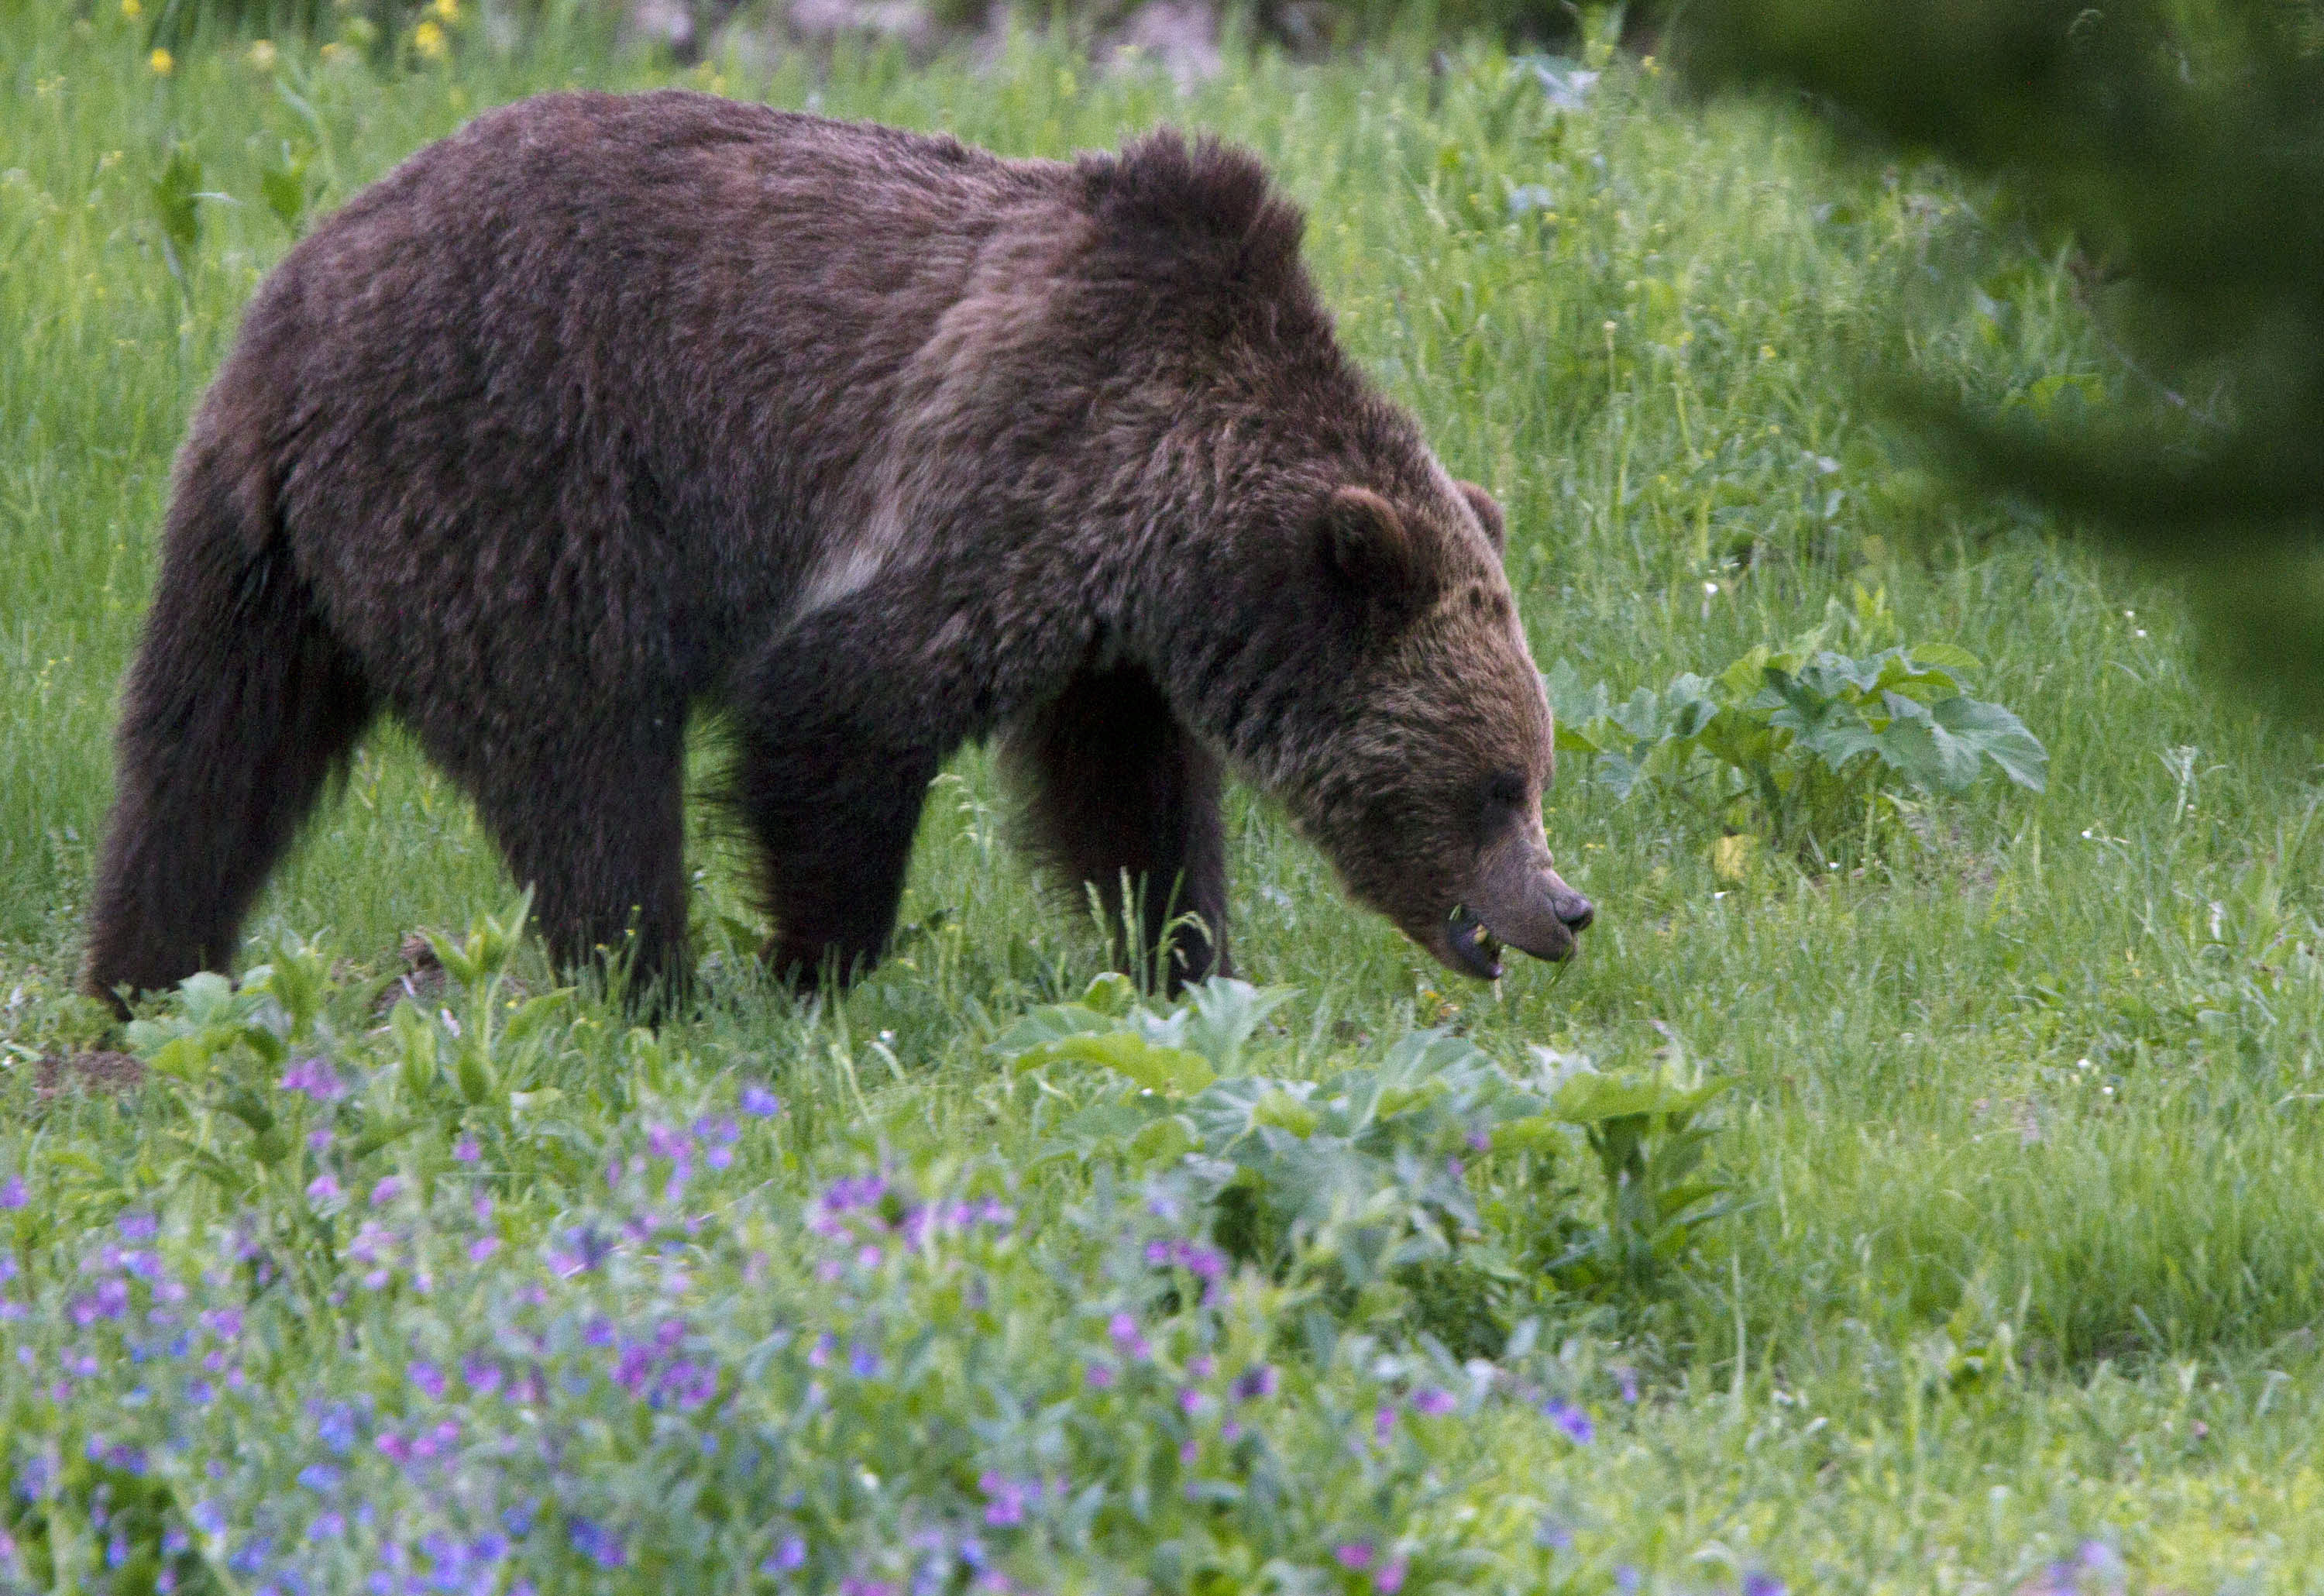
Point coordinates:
pixel 1516 899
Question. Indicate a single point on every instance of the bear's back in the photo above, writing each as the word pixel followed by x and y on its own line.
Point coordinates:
pixel 595 346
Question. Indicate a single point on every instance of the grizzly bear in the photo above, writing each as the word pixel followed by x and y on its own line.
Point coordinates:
pixel 611 409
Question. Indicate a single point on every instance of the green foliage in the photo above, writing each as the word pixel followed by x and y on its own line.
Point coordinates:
pixel 1364 1170
pixel 1649 1138
pixel 676 1371
pixel 1800 734
pixel 177 193
pixel 2175 153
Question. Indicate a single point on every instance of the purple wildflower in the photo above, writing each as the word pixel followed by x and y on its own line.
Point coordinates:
pixel 387 1190
pixel 632 1369
pixel 1353 1554
pixel 1258 1380
pixel 1006 1498
pixel 759 1102
pixel 1123 1328
pixel 601 1546
pixel 336 1427
pixel 321 1479
pixel 12 1192
pixel 1204 1263
pixel 790 1552
pixel 466 1150
pixel 689 1385
pixel 137 1227
pixel 483 1248
pixel 1755 1583
pixel 1098 1377
pixel 1389 1580
pixel 579 1250
pixel 323 1189
pixel 1433 1402
pixel 1572 1419
pixel 427 1377
pixel 315 1078
pixel 863 1363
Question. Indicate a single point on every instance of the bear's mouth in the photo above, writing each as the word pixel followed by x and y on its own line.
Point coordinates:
pixel 1478 949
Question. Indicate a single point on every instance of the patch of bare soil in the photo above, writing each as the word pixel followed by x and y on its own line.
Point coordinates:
pixel 112 1075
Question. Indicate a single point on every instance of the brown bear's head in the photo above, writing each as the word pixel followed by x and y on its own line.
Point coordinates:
pixel 1425 782
pixel 1336 618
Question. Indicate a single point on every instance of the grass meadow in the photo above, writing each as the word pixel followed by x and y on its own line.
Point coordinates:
pixel 494 1291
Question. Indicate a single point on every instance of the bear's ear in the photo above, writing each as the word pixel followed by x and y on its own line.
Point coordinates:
pixel 1365 549
pixel 1488 511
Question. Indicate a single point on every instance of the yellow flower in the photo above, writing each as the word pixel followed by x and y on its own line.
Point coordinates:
pixel 428 38
pixel 262 55
pixel 163 62
pixel 132 10
pixel 1767 352
pixel 448 10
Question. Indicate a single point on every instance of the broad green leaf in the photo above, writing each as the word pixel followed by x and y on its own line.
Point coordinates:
pixel 1050 1023
pixel 534 1013
pixel 1950 656
pixel 1999 735
pixel 1111 992
pixel 1170 1070
pixel 176 193
pixel 1572 703
pixel 1534 1133
pixel 1281 1109
pixel 1222 1017
pixel 1165 1140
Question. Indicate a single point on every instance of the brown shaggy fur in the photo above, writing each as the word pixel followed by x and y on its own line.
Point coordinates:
pixel 610 409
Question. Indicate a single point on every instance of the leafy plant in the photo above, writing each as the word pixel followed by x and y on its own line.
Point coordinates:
pixel 1799 736
pixel 1649 1138
pixel 177 195
pixel 1365 1169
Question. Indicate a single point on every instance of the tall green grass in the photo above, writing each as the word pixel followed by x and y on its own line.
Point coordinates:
pixel 2027 1091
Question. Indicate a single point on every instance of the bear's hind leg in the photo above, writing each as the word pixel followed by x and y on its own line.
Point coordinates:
pixel 237 709
pixel 1120 796
pixel 595 826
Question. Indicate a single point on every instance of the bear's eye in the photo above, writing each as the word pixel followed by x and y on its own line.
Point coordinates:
pixel 1505 789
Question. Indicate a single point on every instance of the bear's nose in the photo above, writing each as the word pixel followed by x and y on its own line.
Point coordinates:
pixel 1575 911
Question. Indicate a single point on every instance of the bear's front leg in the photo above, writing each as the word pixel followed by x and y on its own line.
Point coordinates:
pixel 1120 797
pixel 834 770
